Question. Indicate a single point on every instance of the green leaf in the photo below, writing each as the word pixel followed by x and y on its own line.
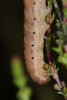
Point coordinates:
pixel 50 3
pixel 65 12
pixel 60 93
pixel 57 70
pixel 58 49
pixel 24 94
pixel 53 17
pixel 63 59
pixel 20 81
pixel 47 67
pixel 56 86
pixel 17 69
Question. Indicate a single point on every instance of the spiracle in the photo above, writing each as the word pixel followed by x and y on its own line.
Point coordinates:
pixel 35 27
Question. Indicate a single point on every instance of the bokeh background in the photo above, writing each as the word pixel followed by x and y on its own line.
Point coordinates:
pixel 11 43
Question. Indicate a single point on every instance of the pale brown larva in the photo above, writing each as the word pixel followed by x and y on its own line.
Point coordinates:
pixel 34 30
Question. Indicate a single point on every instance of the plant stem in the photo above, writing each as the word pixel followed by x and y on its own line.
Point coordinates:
pixel 53 70
pixel 60 86
pixel 57 10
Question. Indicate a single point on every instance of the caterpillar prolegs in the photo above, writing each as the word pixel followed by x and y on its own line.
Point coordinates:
pixel 34 29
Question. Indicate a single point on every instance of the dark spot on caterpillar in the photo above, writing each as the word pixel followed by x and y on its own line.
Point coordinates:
pixel 34 18
pixel 34 3
pixel 33 32
pixel 32 57
pixel 32 44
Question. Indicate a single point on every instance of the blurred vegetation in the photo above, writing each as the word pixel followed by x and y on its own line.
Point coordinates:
pixel 20 79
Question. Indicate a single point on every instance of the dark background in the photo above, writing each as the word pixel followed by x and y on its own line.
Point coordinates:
pixel 11 43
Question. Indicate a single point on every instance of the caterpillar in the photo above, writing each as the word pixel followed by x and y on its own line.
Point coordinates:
pixel 35 27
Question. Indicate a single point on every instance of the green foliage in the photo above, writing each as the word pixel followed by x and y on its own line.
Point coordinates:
pixel 53 17
pixel 56 86
pixel 50 3
pixel 58 49
pixel 62 56
pixel 62 38
pixel 62 32
pixel 64 89
pixel 62 46
pixel 48 43
pixel 64 12
pixel 47 67
pixel 63 59
pixel 24 94
pixel 20 79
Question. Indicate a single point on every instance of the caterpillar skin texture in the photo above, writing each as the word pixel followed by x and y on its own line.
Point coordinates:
pixel 34 30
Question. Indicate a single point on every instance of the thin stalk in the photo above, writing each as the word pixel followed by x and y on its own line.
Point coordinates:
pixel 57 10
pixel 53 71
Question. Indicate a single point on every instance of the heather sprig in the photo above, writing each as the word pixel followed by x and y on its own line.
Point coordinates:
pixel 62 42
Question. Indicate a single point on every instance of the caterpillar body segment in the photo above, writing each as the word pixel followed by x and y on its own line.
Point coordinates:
pixel 34 29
